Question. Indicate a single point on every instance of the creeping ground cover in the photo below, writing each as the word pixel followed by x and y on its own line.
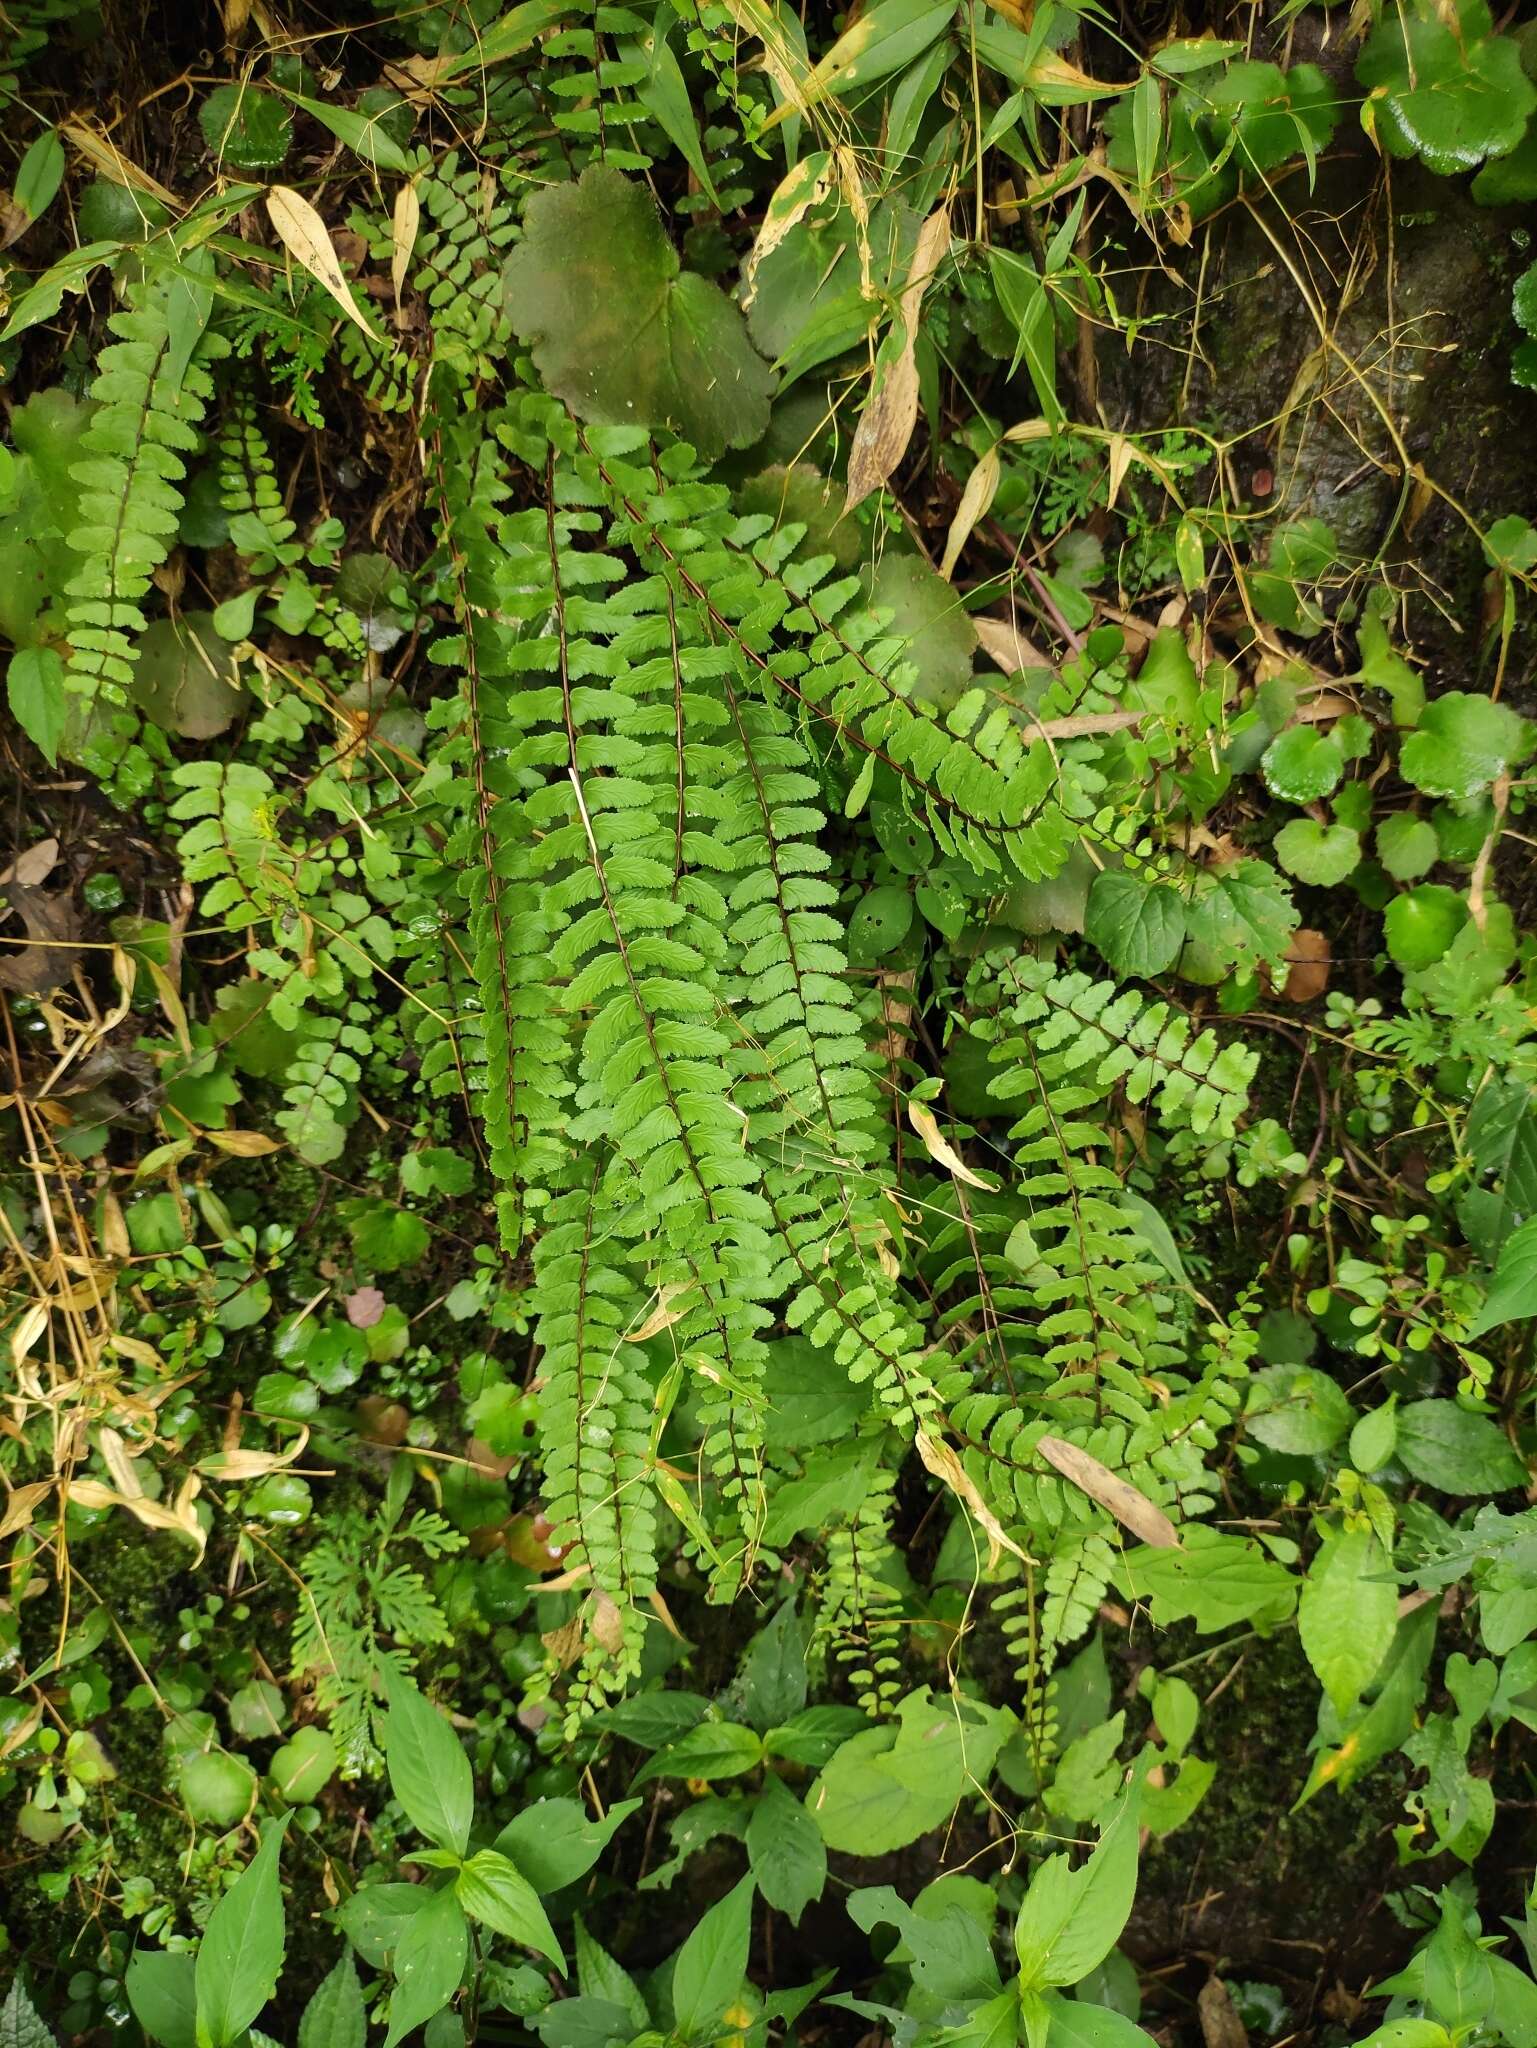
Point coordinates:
pixel 768 1024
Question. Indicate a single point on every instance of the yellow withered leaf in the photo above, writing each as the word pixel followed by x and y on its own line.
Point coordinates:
pixel 891 411
pixel 981 486
pixel 304 235
pixel 943 1464
pixel 939 1148
pixel 407 220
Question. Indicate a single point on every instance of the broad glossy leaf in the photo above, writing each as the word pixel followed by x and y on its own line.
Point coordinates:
pixel 711 1964
pixel 715 1749
pixel 1302 764
pixel 1462 743
pixel 556 1841
pixel 429 1772
pixel 887 1786
pixel 1421 924
pixel 491 1888
pixel 1319 855
pixel 1445 89
pixel 1297 1409
pixel 786 1851
pixel 1348 1614
pixel 241 1953
pixel 1071 1919
pixel 1137 923
pixel 429 1962
pixel 1451 1448
pixel 162 1990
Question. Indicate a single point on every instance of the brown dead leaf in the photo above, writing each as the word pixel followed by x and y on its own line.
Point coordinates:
pixel 181 1517
pixel 22 1504
pixel 1003 643
pixel 22 1730
pixel 104 157
pixel 566 1643
pixel 663 1613
pixel 1308 959
pixel 243 1144
pixel 33 867
pixel 48 956
pixel 803 187
pixel 1132 1509
pixel 490 1464
pixel 234 1464
pixel 939 1148
pixel 1220 2025
pixel 605 1623
pixel 891 411
pixel 26 1331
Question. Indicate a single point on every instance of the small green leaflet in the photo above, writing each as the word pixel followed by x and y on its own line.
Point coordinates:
pixel 715 1749
pixel 39 175
pixel 663 92
pixel 34 688
pixel 1026 305
pixel 363 134
pixel 1146 128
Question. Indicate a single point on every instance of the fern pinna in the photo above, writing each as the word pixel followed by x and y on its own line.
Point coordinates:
pixel 688 1106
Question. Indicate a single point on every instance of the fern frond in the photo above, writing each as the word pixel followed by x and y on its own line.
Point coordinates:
pixel 151 389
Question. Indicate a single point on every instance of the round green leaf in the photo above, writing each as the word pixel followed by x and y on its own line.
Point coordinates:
pixel 880 923
pixel 1445 90
pixel 1461 744
pixel 617 332
pixel 1297 1409
pixel 218 1788
pixel 927 616
pixel 1302 764
pixel 246 127
pixel 301 1767
pixel 185 678
pixel 257 1711
pixel 1138 925
pixel 1407 846
pixel 1456 1451
pixel 1422 923
pixel 1318 854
